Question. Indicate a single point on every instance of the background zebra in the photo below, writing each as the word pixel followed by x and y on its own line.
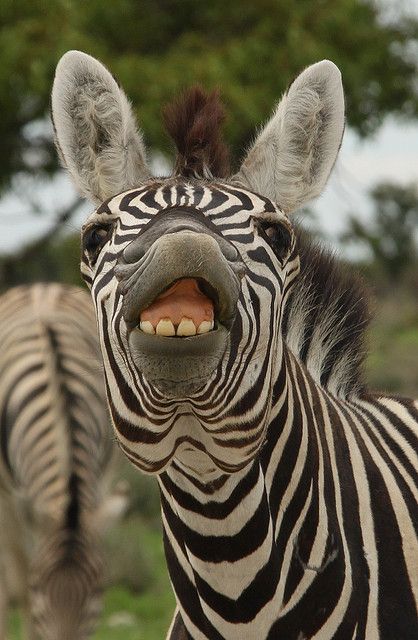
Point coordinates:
pixel 232 352
pixel 55 453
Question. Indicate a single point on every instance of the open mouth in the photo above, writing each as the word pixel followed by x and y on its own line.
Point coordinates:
pixel 186 308
pixel 180 295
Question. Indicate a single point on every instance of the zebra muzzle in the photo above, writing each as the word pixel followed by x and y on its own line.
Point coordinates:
pixel 179 302
pixel 184 275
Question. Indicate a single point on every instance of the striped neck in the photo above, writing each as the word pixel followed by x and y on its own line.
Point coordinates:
pixel 238 546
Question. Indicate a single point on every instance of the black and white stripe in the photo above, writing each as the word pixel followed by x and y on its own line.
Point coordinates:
pixel 232 211
pixel 55 452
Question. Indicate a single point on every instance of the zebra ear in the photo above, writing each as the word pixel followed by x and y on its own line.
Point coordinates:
pixel 95 130
pixel 294 153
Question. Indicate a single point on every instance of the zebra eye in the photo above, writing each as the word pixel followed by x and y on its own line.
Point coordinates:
pixel 277 236
pixel 94 238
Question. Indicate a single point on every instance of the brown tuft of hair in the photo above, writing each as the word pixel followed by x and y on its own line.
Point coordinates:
pixel 194 121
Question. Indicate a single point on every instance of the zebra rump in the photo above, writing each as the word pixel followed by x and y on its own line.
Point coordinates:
pixel 54 460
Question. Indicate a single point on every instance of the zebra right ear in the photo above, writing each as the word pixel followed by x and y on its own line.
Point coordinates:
pixel 293 155
pixel 95 130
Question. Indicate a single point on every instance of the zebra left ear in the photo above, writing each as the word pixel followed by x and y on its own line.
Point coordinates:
pixel 293 155
pixel 95 131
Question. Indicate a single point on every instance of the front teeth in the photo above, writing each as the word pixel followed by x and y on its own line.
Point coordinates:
pixel 165 327
pixel 147 327
pixel 186 327
pixel 205 326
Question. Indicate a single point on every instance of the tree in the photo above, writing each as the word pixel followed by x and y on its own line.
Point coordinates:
pixel 391 235
pixel 155 47
pixel 251 50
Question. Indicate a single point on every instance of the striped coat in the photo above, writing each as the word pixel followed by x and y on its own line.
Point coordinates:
pixel 55 450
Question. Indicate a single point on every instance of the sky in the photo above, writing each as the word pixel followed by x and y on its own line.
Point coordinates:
pixel 390 155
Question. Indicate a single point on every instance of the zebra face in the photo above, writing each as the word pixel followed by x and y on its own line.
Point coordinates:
pixel 231 254
pixel 189 274
pixel 171 267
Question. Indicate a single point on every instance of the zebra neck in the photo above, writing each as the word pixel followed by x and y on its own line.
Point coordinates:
pixel 246 546
pixel 209 528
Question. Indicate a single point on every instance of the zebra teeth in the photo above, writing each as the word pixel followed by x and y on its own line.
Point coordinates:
pixel 165 328
pixel 146 327
pixel 186 327
pixel 205 326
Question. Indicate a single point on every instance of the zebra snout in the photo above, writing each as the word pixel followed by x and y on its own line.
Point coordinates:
pixel 185 255
pixel 180 300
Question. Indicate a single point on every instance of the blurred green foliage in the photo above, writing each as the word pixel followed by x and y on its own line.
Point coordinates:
pixel 392 365
pixel 391 235
pixel 156 47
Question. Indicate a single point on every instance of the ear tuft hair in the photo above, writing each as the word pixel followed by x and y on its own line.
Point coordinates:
pixel 194 122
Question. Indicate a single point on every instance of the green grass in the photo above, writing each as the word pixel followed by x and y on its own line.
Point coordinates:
pixel 128 616
pixel 392 365
pixel 14 627
pixel 147 613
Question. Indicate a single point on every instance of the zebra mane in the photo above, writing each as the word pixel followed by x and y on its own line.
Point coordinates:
pixel 326 318
pixel 194 122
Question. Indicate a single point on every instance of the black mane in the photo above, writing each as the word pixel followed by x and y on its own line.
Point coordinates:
pixel 326 318
pixel 194 121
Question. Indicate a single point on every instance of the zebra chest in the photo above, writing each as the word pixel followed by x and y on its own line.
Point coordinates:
pixel 238 571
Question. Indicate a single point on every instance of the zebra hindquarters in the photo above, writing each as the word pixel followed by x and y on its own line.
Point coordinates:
pixel 55 453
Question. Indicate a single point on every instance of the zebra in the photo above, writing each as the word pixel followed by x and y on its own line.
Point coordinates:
pixel 233 349
pixel 55 460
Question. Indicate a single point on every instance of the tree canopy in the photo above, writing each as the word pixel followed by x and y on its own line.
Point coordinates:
pixel 251 50
pixel 391 235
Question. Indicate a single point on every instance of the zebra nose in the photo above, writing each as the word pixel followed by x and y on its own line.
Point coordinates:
pixel 172 223
pixel 176 256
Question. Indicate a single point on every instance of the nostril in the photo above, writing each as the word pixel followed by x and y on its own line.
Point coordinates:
pixel 229 251
pixel 134 252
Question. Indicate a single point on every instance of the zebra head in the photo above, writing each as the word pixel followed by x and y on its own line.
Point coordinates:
pixel 190 274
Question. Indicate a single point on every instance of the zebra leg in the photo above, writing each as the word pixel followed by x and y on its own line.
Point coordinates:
pixel 14 569
pixel 13 561
pixel 5 558
pixel 17 570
